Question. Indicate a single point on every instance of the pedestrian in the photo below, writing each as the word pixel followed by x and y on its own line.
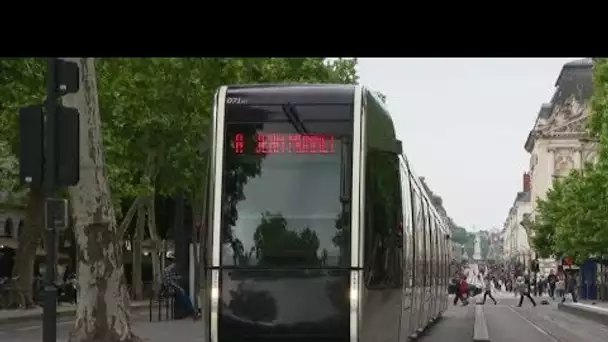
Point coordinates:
pixel 488 291
pixel 171 285
pixel 560 286
pixel 463 292
pixel 552 280
pixel 571 286
pixel 524 290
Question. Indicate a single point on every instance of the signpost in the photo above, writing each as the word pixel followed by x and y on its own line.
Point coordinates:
pixel 49 159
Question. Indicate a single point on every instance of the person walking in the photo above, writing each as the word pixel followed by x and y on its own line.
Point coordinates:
pixel 571 286
pixel 462 292
pixel 488 291
pixel 524 290
pixel 552 282
pixel 560 286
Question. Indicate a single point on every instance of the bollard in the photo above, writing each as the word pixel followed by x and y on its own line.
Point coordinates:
pixel 151 303
pixel 167 300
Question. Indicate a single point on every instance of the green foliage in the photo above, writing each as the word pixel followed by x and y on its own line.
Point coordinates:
pixel 156 112
pixel 484 246
pixel 465 238
pixel 21 84
pixel 573 219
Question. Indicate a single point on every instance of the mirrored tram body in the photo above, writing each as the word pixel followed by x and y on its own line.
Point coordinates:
pixel 318 228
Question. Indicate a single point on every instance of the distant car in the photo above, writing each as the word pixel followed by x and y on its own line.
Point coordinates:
pixel 474 290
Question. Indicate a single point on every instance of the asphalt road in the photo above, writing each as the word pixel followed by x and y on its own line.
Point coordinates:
pixel 506 323
pixel 543 323
pixel 185 330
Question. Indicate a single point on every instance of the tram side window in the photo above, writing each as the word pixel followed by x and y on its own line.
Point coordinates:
pixel 441 240
pixel 437 253
pixel 432 250
pixel 383 252
pixel 407 228
pixel 418 236
pixel 431 240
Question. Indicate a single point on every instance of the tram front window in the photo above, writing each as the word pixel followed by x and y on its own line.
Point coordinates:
pixel 282 188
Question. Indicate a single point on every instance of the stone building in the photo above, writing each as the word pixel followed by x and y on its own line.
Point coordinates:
pixel 514 237
pixel 558 142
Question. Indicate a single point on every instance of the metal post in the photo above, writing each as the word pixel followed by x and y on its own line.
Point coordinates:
pixel 49 331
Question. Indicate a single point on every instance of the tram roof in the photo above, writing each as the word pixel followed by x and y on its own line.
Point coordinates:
pixel 425 195
pixel 294 92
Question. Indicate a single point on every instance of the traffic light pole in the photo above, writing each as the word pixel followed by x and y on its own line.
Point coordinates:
pixel 49 331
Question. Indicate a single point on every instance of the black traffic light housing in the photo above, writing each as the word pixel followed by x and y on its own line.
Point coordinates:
pixel 66 142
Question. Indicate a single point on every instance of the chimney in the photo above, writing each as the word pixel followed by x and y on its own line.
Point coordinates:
pixel 526 182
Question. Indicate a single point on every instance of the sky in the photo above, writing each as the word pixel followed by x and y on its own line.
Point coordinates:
pixel 463 123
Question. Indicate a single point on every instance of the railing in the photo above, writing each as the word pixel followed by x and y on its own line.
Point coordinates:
pixel 163 299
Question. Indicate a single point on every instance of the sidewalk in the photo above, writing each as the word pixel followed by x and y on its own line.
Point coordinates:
pixel 456 325
pixel 63 310
pixel 592 310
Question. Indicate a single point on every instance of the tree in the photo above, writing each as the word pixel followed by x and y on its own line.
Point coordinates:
pixel 571 221
pixel 22 84
pixel 103 306
pixel 484 246
pixel 381 96
pixel 157 112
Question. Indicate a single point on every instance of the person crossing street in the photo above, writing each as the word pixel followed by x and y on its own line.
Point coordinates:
pixel 488 291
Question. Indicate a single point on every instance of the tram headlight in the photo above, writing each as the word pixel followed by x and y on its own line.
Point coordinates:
pixel 215 293
pixel 354 295
pixel 354 291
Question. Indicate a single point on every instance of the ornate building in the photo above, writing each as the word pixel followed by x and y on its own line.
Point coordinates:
pixel 559 142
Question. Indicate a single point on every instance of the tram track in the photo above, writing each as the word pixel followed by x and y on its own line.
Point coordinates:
pixel 561 327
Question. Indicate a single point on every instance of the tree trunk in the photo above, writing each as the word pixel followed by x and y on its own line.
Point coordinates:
pixel 126 221
pixel 156 271
pixel 103 301
pixel 136 251
pixel 29 240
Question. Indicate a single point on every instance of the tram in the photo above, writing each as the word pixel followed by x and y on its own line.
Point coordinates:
pixel 319 230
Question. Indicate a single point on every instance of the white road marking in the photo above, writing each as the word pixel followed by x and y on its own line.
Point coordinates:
pixel 28 328
pixel 539 329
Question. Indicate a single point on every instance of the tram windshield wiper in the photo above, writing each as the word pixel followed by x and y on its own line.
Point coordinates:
pixel 292 114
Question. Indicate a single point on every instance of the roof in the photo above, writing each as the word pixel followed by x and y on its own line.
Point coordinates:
pixel 295 93
pixel 579 63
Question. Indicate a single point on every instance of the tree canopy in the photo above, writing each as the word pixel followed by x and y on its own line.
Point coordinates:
pixel 573 218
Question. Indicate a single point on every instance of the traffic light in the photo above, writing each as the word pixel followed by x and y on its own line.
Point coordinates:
pixel 66 134
pixel 31 145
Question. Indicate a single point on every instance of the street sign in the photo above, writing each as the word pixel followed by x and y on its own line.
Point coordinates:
pixel 56 213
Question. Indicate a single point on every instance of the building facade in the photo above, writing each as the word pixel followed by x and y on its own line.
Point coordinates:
pixel 558 141
pixel 516 245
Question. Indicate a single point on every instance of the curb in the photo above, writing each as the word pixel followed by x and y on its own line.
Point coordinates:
pixel 596 314
pixel 37 316
pixel 480 329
